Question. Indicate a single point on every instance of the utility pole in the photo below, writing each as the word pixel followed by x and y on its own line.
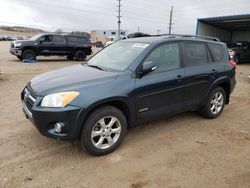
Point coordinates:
pixel 170 20
pixel 138 29
pixel 119 19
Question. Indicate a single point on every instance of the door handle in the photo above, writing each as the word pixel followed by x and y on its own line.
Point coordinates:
pixel 179 78
pixel 214 70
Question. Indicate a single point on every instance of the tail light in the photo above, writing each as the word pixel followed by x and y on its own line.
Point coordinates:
pixel 90 45
pixel 232 62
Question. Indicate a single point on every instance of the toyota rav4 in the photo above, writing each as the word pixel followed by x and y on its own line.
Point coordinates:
pixel 130 82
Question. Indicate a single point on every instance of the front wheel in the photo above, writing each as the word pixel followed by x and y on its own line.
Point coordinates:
pixel 215 104
pixel 104 131
pixel 29 55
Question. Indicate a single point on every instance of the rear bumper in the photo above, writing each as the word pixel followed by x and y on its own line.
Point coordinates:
pixel 16 52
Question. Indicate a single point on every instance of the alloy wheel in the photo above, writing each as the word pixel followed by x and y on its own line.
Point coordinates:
pixel 106 132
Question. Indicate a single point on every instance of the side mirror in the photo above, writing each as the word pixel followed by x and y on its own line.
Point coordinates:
pixel 147 67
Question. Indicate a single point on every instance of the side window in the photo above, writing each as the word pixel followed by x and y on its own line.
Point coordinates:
pixel 73 39
pixel 165 57
pixel 217 51
pixel 58 38
pixel 194 54
pixel 48 38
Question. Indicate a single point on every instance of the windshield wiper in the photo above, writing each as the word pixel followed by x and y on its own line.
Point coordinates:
pixel 95 66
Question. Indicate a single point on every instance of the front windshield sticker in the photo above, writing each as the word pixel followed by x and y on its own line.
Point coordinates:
pixel 140 45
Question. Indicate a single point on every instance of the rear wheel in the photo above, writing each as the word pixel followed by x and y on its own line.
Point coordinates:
pixel 104 131
pixel 215 104
pixel 29 54
pixel 80 55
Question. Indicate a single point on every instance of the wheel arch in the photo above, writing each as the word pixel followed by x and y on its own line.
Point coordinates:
pixel 225 83
pixel 121 103
pixel 30 48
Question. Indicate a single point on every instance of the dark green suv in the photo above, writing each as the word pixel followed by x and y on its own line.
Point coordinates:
pixel 128 83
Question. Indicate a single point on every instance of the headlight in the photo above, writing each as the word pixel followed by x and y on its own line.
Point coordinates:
pixel 18 44
pixel 61 99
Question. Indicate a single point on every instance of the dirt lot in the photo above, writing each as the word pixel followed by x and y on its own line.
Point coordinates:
pixel 181 151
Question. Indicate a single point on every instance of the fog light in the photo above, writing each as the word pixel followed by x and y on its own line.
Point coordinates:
pixel 58 127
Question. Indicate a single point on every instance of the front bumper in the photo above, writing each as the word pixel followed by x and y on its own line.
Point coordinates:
pixel 44 119
pixel 16 52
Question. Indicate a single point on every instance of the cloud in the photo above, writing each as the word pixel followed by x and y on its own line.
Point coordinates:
pixel 88 15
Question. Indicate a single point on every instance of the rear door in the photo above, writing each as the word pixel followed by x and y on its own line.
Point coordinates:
pixel 161 91
pixel 199 73
pixel 58 45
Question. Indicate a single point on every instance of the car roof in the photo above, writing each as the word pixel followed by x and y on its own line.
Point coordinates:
pixel 162 38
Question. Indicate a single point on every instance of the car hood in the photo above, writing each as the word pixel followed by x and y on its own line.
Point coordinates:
pixel 73 78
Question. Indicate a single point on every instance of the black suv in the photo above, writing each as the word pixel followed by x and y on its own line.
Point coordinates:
pixel 72 46
pixel 239 51
pixel 130 82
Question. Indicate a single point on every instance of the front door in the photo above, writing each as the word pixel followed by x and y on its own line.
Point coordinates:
pixel 161 91
pixel 45 43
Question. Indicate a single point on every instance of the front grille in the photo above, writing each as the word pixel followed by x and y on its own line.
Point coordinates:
pixel 29 97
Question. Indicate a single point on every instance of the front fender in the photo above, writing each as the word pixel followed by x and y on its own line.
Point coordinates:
pixel 83 114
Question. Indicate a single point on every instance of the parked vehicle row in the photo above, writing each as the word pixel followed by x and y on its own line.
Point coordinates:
pixel 73 46
pixel 127 83
pixel 12 38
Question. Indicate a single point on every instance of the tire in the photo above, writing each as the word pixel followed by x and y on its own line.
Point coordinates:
pixel 29 54
pixel 80 55
pixel 215 104
pixel 97 130
pixel 19 57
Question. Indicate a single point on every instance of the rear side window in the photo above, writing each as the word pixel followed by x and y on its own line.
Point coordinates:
pixel 217 51
pixel 57 38
pixel 194 54
pixel 73 39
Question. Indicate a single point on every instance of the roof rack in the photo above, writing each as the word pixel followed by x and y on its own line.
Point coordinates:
pixel 190 36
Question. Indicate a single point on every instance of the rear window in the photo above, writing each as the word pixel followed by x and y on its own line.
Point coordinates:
pixel 217 51
pixel 73 39
pixel 194 53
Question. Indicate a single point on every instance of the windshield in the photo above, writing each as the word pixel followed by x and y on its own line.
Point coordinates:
pixel 117 56
pixel 36 37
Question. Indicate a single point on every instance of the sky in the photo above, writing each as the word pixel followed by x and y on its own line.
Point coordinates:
pixel 87 15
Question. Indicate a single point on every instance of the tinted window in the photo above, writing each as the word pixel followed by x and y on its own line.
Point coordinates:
pixel 194 53
pixel 46 38
pixel 165 57
pixel 217 51
pixel 58 38
pixel 73 39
